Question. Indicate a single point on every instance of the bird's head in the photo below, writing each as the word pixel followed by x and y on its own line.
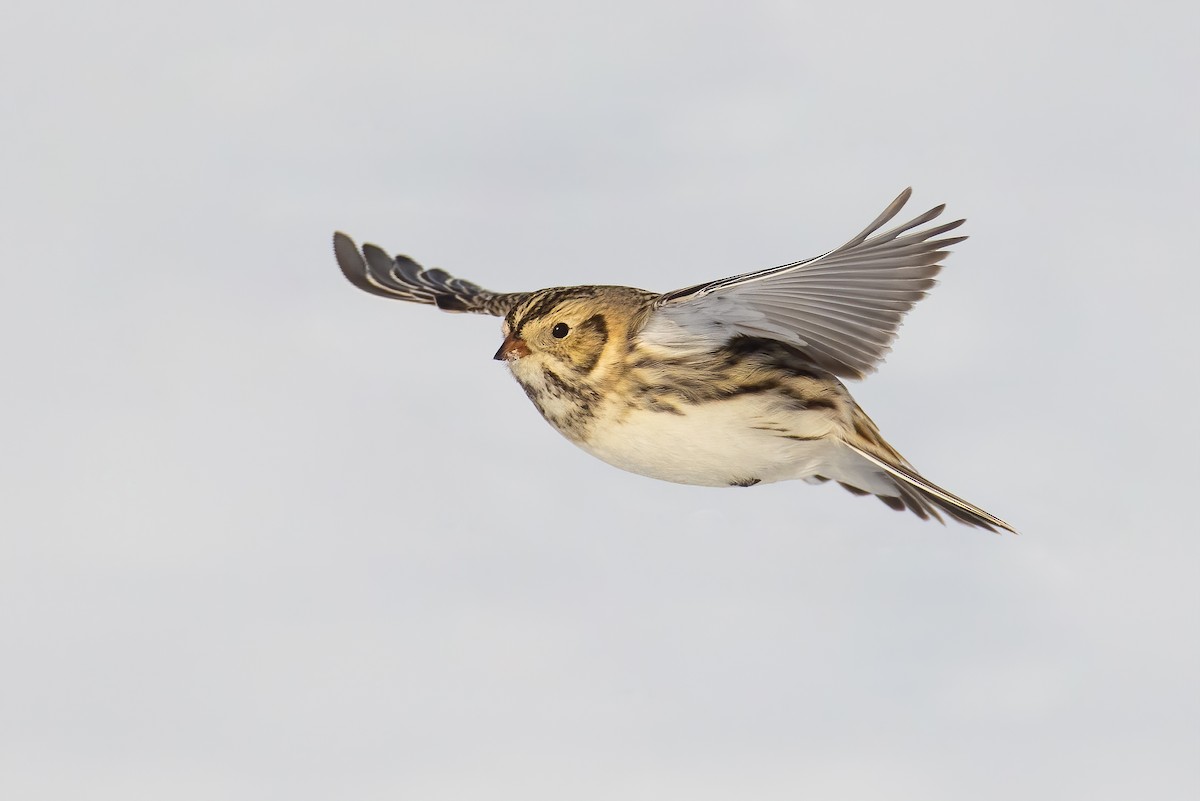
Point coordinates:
pixel 573 332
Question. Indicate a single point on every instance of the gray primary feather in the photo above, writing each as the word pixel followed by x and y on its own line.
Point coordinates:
pixel 842 308
pixel 401 278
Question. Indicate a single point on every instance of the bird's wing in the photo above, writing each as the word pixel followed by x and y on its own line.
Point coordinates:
pixel 842 309
pixel 400 278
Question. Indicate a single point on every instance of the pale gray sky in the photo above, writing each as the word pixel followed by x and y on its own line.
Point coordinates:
pixel 265 536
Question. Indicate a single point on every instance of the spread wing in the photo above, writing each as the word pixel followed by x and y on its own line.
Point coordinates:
pixel 400 278
pixel 842 309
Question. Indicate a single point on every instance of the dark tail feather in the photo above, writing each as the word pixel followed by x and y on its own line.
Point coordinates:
pixel 923 497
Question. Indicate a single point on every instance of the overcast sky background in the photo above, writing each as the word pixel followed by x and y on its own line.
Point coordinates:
pixel 264 536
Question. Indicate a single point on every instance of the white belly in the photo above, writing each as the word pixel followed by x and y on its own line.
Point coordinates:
pixel 714 444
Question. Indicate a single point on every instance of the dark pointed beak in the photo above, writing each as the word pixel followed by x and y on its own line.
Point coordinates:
pixel 512 348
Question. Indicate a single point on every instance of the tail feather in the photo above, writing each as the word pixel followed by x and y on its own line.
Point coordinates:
pixel 912 490
pixel 925 498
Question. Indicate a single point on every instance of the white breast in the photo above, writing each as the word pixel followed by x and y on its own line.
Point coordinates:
pixel 734 441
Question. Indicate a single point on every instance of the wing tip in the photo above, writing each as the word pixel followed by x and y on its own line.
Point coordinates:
pixel 349 259
pixel 359 266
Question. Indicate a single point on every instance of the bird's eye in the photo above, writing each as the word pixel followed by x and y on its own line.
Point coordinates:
pixel 560 330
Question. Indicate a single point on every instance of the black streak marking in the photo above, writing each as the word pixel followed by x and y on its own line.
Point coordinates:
pixel 536 397
pixel 751 389
pixel 744 482
pixel 584 396
pixel 769 352
pixel 597 323
pixel 594 326
pixel 553 297
pixel 660 405
pixel 803 402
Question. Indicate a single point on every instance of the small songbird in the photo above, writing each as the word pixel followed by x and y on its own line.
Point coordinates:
pixel 732 382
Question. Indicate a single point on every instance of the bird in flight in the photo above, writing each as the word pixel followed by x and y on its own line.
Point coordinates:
pixel 732 382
